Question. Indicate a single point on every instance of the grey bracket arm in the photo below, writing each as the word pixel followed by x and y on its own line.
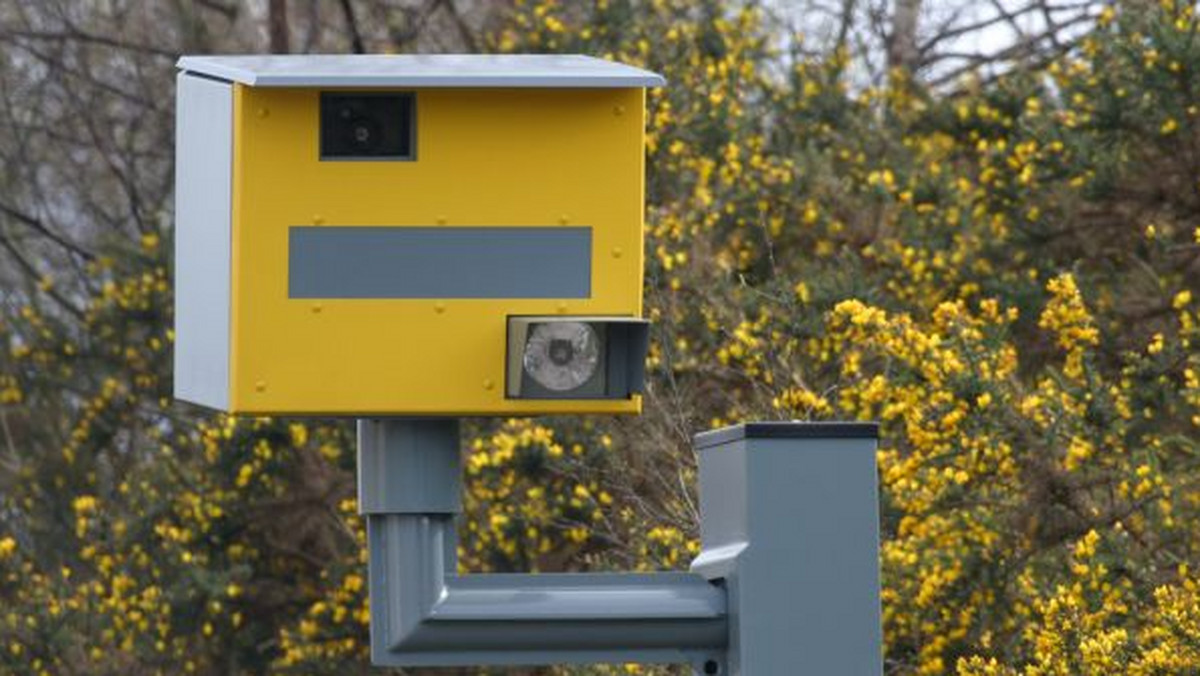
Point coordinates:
pixel 424 614
pixel 787 580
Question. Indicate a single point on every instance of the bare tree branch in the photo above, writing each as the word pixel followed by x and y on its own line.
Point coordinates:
pixel 38 226
pixel 277 24
pixel 464 31
pixel 1032 50
pixel 229 11
pixel 71 33
pixel 845 25
pixel 32 273
pixel 356 41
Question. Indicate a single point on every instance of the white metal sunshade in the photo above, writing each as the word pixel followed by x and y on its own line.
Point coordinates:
pixel 421 70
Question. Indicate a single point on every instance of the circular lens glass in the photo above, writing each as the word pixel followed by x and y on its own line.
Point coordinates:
pixel 561 356
pixel 362 133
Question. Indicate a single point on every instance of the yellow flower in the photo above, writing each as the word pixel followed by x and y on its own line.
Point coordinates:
pixel 1182 299
pixel 84 504
pixel 1068 317
pixel 1156 344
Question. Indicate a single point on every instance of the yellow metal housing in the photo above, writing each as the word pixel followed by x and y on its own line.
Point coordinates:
pixel 531 157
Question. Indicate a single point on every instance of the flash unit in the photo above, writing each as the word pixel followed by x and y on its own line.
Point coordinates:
pixel 576 357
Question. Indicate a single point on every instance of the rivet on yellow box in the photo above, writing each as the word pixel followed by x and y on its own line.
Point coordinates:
pixel 402 235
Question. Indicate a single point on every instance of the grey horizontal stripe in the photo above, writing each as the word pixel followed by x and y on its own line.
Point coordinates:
pixel 439 262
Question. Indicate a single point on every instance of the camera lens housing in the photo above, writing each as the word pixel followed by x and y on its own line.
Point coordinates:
pixel 580 358
pixel 367 126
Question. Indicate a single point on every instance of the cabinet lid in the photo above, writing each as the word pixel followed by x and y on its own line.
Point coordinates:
pixel 421 70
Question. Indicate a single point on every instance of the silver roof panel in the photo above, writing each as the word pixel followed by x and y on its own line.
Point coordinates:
pixel 421 70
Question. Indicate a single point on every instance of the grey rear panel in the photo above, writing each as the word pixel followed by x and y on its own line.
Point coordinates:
pixel 203 190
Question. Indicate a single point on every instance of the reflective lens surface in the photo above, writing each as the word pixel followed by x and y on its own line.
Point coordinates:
pixel 561 356
pixel 367 125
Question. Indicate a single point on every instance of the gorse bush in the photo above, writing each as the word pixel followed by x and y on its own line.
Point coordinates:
pixel 1007 276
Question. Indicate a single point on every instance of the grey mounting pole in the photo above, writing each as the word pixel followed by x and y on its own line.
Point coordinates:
pixel 787 581
pixel 424 614
pixel 789 520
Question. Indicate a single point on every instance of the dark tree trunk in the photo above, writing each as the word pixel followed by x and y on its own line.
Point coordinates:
pixel 903 53
pixel 277 24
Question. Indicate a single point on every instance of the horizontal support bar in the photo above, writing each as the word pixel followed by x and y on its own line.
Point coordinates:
pixel 580 596
pixel 429 616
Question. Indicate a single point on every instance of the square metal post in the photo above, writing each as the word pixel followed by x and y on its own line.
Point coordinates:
pixel 790 523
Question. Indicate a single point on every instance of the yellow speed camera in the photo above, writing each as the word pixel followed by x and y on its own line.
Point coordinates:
pixel 409 235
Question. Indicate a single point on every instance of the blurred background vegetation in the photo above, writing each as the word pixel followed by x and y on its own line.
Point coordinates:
pixel 978 223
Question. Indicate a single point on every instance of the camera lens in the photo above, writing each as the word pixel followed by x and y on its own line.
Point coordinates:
pixel 366 125
pixel 561 351
pixel 361 133
pixel 562 356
